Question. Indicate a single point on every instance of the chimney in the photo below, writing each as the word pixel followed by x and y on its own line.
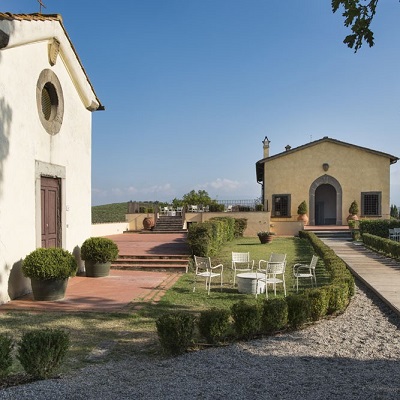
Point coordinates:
pixel 266 143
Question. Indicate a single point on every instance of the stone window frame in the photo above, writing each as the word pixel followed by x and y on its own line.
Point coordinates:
pixel 365 205
pixel 288 198
pixel 49 81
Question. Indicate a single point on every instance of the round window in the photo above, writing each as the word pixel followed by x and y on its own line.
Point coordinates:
pixel 49 99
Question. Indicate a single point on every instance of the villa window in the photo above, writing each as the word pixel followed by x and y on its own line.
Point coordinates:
pixel 371 203
pixel 281 205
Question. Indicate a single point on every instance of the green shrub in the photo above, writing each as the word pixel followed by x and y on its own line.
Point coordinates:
pixel 338 295
pixel 41 352
pixel 298 310
pixel 99 249
pixel 6 345
pixel 205 239
pixel 246 319
pixel 51 263
pixel 302 208
pixel 214 324
pixel 274 316
pixel 240 227
pixel 319 302
pixel 175 332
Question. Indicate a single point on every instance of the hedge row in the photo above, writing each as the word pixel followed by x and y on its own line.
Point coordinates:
pixel 381 245
pixel 247 320
pixel 378 227
pixel 206 239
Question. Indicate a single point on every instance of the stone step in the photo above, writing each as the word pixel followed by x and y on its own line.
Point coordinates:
pixel 333 234
pixel 150 262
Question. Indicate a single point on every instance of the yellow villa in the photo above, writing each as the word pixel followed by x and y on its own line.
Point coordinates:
pixel 329 175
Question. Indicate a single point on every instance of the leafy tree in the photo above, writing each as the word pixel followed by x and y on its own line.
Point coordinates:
pixel 358 15
pixel 394 212
pixel 199 197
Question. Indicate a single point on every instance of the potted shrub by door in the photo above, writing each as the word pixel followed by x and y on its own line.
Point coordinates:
pixel 302 212
pixel 353 211
pixel 98 252
pixel 49 270
pixel 265 236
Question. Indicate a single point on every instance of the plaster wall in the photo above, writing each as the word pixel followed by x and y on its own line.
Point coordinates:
pixel 115 228
pixel 355 169
pixel 27 151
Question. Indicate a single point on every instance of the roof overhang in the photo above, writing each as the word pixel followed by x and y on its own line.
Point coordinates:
pixel 49 28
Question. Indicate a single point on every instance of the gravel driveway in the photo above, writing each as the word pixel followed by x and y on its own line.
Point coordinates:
pixel 353 356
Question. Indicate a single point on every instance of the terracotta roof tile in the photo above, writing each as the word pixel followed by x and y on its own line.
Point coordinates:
pixel 30 17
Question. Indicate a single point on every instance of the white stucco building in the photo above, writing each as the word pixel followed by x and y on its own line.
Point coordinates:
pixel 46 104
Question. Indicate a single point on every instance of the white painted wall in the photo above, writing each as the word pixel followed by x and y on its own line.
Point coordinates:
pixel 27 150
pixel 112 228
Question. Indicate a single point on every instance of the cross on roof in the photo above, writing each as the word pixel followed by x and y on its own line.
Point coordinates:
pixel 40 6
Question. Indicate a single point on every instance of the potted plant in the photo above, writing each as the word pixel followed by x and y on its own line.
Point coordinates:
pixel 49 270
pixel 302 212
pixel 265 236
pixel 353 211
pixel 98 252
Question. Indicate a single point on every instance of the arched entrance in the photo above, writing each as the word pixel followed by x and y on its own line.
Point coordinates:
pixel 325 201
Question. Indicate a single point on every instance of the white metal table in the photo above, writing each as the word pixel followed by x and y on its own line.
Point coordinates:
pixel 247 283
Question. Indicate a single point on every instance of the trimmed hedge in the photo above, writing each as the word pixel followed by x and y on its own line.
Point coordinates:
pixel 378 227
pixel 175 332
pixel 274 316
pixel 387 247
pixel 214 324
pixel 246 319
pixel 206 239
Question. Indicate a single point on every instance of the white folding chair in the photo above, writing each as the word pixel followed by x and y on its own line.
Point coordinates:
pixel 205 270
pixel 240 263
pixel 305 271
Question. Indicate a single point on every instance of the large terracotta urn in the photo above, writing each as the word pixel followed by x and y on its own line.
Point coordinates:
pixel 148 223
pixel 303 218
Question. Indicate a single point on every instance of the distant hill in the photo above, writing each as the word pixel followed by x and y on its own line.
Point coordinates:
pixel 109 213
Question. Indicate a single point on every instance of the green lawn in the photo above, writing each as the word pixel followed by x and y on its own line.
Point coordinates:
pixel 181 296
pixel 134 332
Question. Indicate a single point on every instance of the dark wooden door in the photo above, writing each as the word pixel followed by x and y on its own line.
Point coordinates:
pixel 51 212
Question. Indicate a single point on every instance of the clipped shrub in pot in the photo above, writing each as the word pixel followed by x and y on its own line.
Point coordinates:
pixel 49 270
pixel 98 253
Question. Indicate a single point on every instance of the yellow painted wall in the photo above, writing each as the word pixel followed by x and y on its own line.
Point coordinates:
pixel 357 170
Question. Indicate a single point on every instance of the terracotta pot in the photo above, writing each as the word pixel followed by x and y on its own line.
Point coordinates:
pixel 148 223
pixel 265 239
pixel 49 289
pixel 303 218
pixel 352 217
pixel 97 270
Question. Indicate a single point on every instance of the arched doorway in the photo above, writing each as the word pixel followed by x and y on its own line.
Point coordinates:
pixel 325 201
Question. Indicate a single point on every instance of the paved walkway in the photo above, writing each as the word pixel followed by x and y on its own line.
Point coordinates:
pixel 379 273
pixel 122 290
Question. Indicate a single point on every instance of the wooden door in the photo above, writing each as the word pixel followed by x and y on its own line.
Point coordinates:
pixel 51 212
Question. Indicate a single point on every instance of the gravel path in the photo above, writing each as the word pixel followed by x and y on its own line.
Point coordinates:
pixel 353 356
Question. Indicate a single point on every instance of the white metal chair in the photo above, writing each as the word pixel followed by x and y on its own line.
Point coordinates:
pixel 305 271
pixel 179 210
pixel 269 273
pixel 394 234
pixel 205 270
pixel 229 208
pixel 193 208
pixel 240 263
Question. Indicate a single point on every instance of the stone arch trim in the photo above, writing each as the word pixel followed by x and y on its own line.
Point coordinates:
pixel 326 180
pixel 53 123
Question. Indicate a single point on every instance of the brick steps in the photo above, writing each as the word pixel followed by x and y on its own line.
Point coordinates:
pixel 168 224
pixel 160 262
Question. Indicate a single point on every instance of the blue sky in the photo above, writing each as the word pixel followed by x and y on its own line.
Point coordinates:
pixel 192 87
